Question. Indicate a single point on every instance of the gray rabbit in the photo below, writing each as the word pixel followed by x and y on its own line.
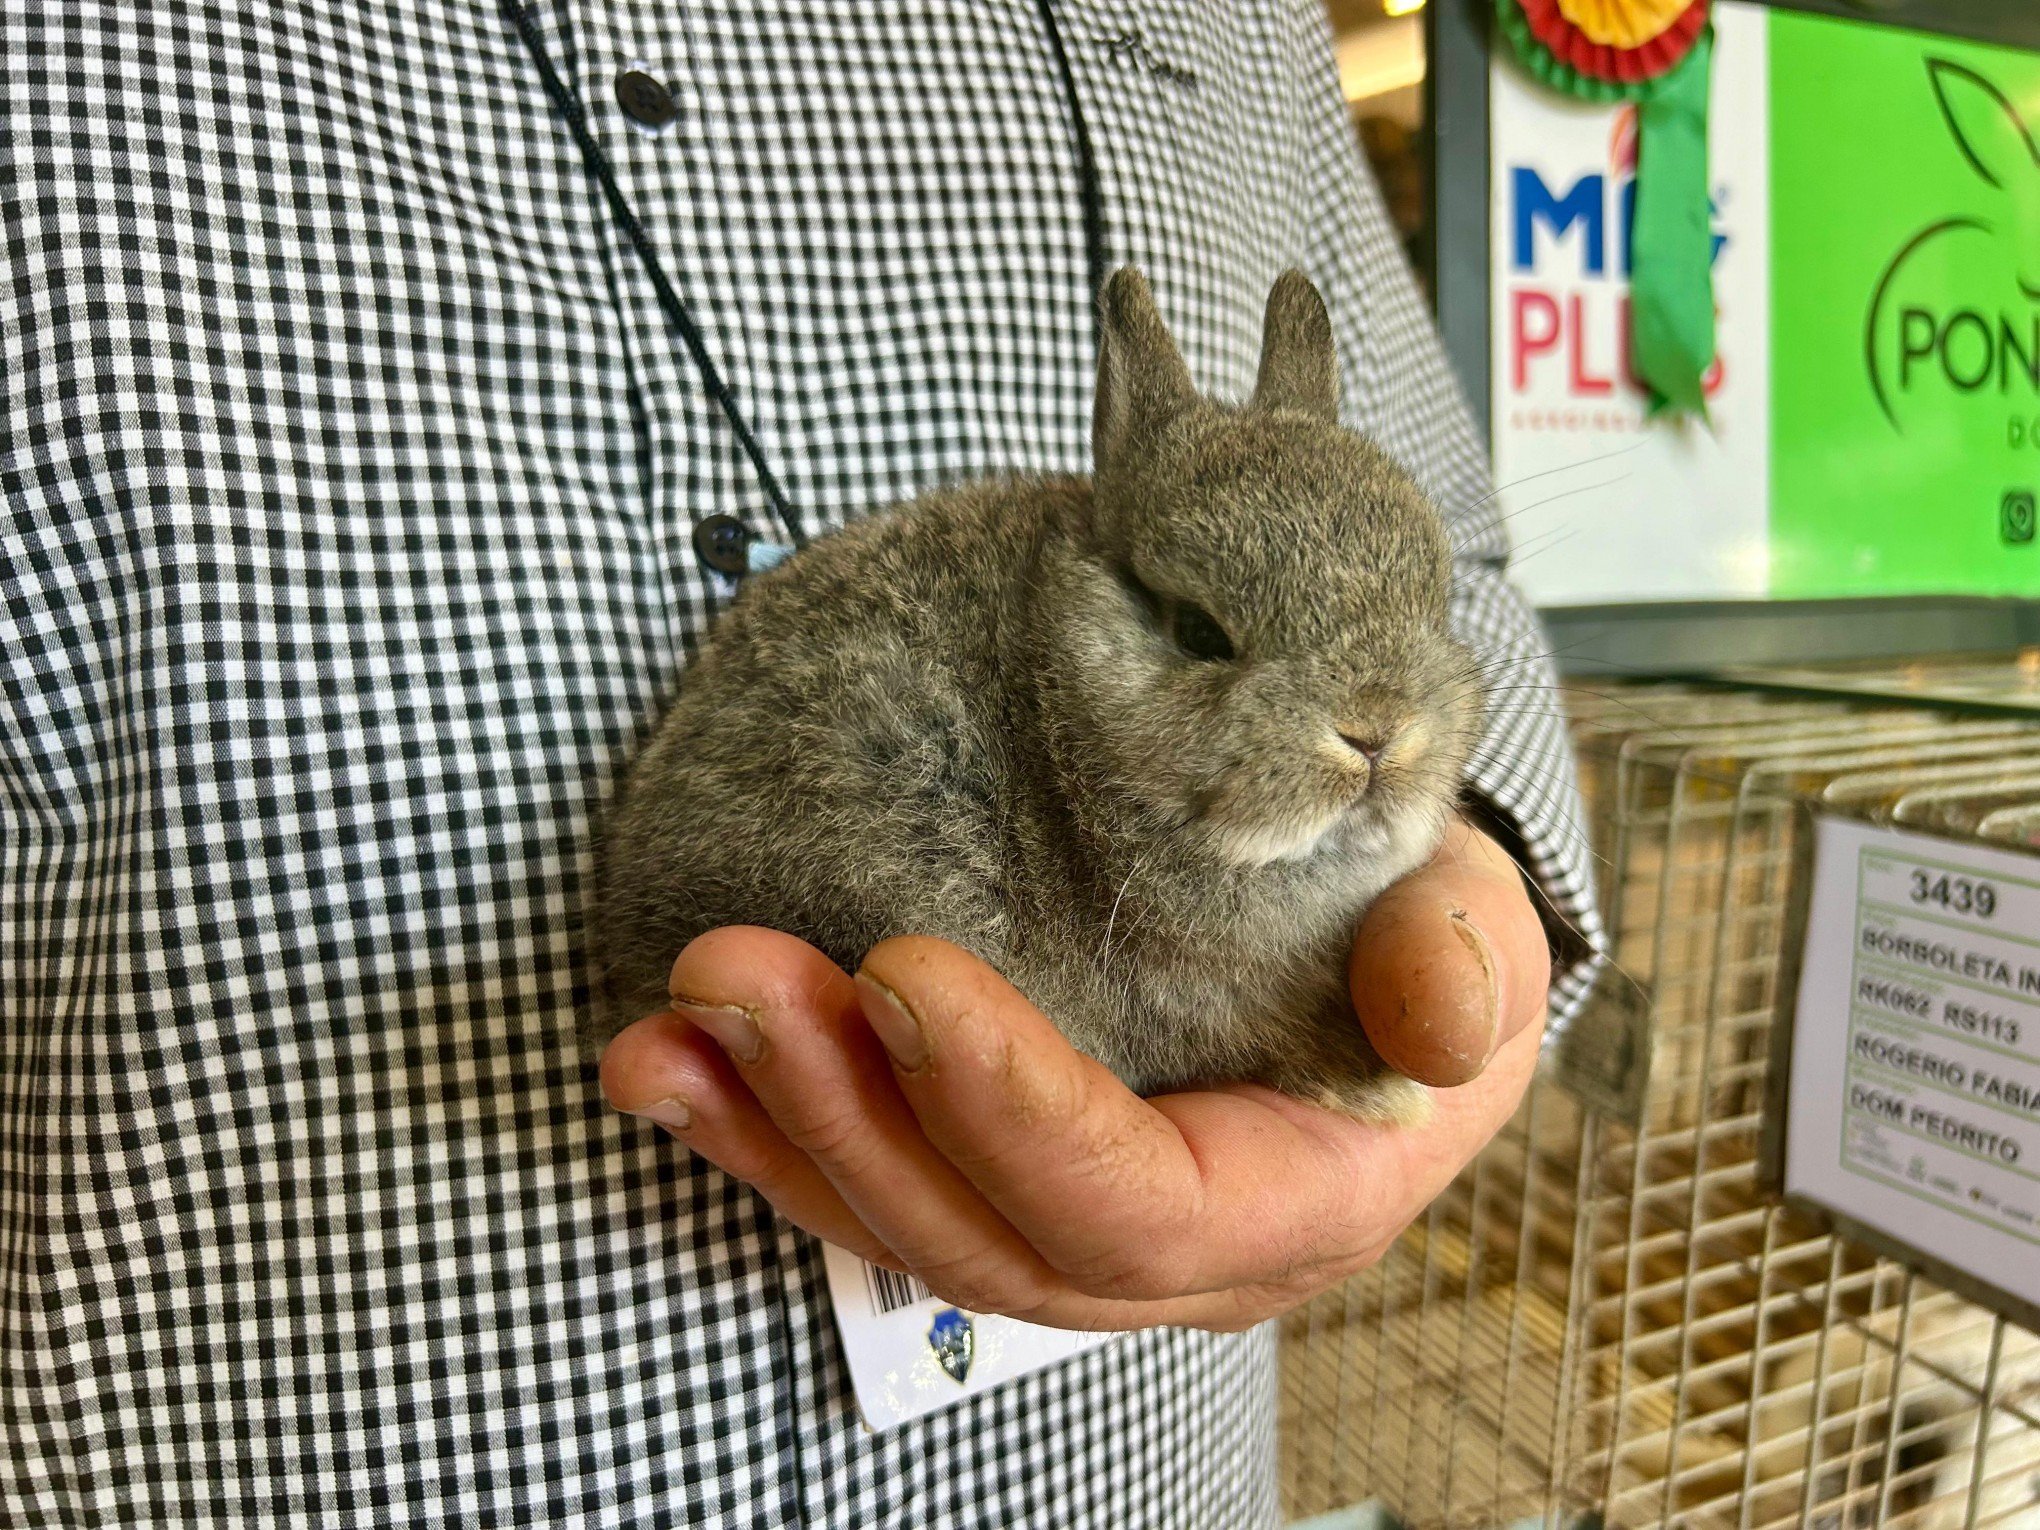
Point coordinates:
pixel 1148 743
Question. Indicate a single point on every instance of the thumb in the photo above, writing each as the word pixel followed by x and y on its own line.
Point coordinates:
pixel 1450 962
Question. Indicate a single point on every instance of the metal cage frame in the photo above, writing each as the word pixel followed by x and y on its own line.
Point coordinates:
pixel 1616 1322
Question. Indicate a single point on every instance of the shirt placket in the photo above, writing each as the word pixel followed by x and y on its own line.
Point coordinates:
pixel 653 117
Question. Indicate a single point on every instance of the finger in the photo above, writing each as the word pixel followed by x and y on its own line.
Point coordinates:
pixel 667 1072
pixel 1427 1158
pixel 666 1058
pixel 790 1021
pixel 1450 962
pixel 1387 1175
pixel 1418 1162
pixel 1273 1286
pixel 1127 1198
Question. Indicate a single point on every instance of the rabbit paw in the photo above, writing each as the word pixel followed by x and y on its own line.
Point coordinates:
pixel 1381 1099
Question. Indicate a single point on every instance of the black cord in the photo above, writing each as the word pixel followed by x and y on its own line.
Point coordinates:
pixel 1090 191
pixel 676 311
pixel 1089 188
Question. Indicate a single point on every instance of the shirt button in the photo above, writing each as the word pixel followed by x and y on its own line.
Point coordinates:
pixel 722 541
pixel 644 99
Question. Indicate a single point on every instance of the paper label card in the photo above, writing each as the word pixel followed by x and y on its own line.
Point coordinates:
pixel 1914 1100
pixel 911 1353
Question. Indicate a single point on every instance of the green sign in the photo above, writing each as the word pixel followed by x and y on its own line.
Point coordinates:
pixel 1905 289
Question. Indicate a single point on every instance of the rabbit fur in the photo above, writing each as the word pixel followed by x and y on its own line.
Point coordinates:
pixel 1000 714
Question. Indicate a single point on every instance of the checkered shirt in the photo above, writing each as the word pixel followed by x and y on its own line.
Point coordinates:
pixel 350 464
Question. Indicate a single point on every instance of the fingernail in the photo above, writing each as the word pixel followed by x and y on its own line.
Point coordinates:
pixel 897 1029
pixel 735 1029
pixel 1483 953
pixel 673 1113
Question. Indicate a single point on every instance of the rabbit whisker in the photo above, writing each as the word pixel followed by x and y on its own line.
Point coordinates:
pixel 1563 467
pixel 1105 946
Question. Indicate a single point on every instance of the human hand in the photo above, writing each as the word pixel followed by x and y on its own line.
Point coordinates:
pixel 926 1117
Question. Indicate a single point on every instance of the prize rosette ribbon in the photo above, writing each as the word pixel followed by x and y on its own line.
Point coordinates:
pixel 1657 54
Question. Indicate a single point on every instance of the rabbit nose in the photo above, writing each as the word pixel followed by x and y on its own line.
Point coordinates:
pixel 1369 745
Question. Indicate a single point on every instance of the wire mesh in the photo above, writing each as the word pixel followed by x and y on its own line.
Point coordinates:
pixel 1612 1322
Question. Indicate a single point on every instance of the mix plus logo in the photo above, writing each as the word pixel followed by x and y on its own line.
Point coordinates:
pixel 1569 259
pixel 1956 312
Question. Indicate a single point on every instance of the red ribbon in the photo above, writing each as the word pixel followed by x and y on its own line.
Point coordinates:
pixel 1603 61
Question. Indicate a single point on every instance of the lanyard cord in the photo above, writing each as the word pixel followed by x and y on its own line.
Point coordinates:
pixel 676 310
pixel 1089 190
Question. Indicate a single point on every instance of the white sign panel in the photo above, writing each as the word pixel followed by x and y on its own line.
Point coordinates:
pixel 910 1352
pixel 1914 1105
pixel 1605 504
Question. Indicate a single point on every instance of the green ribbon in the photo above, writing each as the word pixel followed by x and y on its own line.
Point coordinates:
pixel 1671 284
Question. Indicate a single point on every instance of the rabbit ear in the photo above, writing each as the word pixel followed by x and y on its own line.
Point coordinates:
pixel 1299 365
pixel 1987 127
pixel 1141 375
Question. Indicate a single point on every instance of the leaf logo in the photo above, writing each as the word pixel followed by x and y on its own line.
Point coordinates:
pixel 1986 126
pixel 1991 340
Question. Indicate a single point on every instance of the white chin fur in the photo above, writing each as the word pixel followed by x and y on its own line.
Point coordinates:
pixel 1252 845
pixel 1400 845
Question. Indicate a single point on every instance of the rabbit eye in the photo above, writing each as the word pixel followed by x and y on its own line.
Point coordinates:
pixel 1198 633
pixel 1191 628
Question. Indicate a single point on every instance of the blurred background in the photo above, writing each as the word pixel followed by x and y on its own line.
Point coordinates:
pixel 1381 68
pixel 1762 1246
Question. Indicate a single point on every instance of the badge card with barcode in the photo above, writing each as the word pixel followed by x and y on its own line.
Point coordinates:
pixel 910 1352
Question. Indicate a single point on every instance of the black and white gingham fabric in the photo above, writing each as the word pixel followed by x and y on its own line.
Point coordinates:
pixel 350 467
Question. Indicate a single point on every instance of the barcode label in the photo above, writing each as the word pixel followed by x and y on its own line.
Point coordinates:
pixel 891 1291
pixel 909 1355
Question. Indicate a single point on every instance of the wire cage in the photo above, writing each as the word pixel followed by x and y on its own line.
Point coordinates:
pixel 1610 1321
